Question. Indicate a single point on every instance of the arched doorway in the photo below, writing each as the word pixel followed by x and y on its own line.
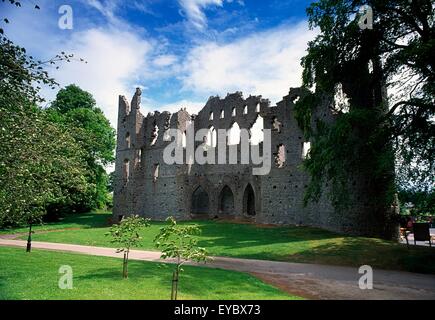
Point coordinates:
pixel 226 201
pixel 200 201
pixel 249 201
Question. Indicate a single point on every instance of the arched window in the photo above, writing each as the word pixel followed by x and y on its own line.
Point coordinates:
pixel 156 172
pixel 126 170
pixel 128 140
pixel 139 156
pixel 200 201
pixel 257 108
pixel 249 201
pixel 212 137
pixel 233 112
pixel 211 116
pixel 257 134
pixel 234 134
pixel 184 140
pixel 226 201
pixel 222 114
pixel 245 110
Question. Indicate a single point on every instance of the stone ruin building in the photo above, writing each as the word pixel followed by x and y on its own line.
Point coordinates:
pixel 146 186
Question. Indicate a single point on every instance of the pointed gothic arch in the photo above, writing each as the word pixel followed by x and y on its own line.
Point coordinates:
pixel 256 131
pixel 234 134
pixel 226 201
pixel 249 201
pixel 200 201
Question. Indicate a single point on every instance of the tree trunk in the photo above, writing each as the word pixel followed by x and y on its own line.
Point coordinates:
pixel 174 291
pixel 176 284
pixel 125 266
pixel 371 180
pixel 29 239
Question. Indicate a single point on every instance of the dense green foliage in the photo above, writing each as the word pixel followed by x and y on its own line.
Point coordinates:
pixel 293 244
pixel 350 69
pixel 75 109
pixel 422 203
pixel 71 98
pixel 40 164
pixel 36 277
pixel 177 241
pixel 47 165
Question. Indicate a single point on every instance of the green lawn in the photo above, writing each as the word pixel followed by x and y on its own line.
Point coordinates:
pixel 296 244
pixel 72 221
pixel 36 275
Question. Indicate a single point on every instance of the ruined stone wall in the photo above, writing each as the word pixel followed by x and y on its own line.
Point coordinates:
pixel 208 191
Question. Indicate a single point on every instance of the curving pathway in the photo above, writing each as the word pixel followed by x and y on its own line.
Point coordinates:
pixel 307 280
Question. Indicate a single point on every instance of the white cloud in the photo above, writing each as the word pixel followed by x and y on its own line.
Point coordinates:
pixel 240 2
pixel 115 59
pixel 117 55
pixel 107 9
pixel 165 60
pixel 194 11
pixel 266 63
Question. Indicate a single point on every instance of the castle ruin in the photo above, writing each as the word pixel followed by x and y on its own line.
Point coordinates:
pixel 146 186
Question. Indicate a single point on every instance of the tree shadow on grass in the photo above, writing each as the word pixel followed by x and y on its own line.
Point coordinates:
pixel 136 269
pixel 232 237
pixel 313 245
pixel 374 252
pixel 71 221
pixel 87 220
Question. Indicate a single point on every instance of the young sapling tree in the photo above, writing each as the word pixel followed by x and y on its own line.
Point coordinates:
pixel 177 242
pixel 126 235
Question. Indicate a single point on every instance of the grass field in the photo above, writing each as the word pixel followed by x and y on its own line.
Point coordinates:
pixel 72 221
pixel 296 244
pixel 36 275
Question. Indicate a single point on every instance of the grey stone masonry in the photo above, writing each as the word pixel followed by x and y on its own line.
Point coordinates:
pixel 145 185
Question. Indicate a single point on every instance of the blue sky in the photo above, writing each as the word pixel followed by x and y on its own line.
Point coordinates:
pixel 179 52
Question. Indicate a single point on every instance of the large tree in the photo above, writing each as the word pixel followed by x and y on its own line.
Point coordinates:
pixel 76 109
pixel 40 162
pixel 378 82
